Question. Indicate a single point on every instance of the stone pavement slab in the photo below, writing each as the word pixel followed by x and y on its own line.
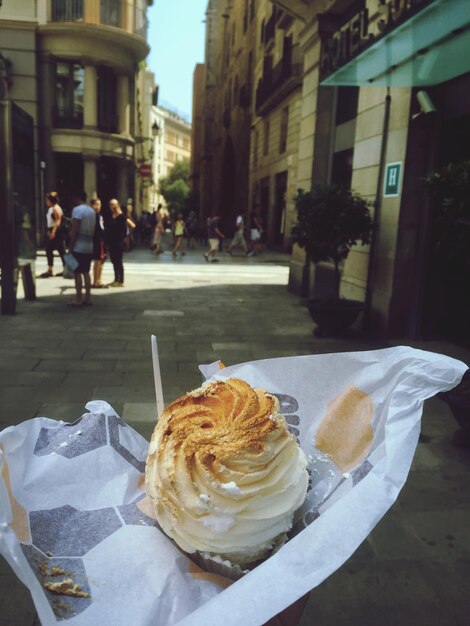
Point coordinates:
pixel 414 568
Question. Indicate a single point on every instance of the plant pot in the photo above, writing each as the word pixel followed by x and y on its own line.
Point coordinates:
pixel 458 400
pixel 334 316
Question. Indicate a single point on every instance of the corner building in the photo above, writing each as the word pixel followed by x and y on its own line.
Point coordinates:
pixel 88 55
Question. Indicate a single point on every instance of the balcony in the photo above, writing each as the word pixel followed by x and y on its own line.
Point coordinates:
pixel 108 32
pixel 122 14
pixel 279 82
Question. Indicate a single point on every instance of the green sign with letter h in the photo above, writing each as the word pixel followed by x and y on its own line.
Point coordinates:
pixel 392 180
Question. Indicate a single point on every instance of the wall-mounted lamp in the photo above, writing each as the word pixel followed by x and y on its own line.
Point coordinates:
pixel 425 103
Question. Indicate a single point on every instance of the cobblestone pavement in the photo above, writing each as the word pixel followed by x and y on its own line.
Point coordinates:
pixel 414 569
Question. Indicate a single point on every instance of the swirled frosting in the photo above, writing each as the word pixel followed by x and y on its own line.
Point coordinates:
pixel 224 473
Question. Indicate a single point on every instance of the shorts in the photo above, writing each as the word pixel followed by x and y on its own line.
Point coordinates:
pixel 255 234
pixel 99 251
pixel 84 262
pixel 214 244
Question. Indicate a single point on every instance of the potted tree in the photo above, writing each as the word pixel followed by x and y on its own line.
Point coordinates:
pixel 330 220
pixel 450 244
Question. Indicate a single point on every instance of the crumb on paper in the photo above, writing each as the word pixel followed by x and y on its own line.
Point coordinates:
pixel 57 571
pixel 48 553
pixel 66 587
pixel 42 568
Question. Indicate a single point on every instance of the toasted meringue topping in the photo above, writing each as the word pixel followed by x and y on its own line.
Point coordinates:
pixel 224 473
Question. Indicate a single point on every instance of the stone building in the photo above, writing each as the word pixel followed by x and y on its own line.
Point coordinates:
pixel 172 144
pixel 197 130
pixel 228 102
pixel 276 121
pixel 376 103
pixel 75 66
pixel 382 107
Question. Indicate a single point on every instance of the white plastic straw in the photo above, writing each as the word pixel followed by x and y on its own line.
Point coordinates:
pixel 157 377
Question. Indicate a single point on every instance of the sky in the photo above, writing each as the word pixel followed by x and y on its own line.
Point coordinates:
pixel 176 35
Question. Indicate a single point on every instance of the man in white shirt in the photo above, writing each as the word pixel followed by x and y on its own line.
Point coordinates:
pixel 239 237
pixel 81 246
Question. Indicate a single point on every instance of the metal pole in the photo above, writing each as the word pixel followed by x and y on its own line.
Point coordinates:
pixel 367 320
pixel 7 235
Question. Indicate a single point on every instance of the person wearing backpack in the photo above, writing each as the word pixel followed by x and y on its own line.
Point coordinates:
pixel 55 234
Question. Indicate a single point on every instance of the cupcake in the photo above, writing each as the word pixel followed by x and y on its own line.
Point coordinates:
pixel 224 474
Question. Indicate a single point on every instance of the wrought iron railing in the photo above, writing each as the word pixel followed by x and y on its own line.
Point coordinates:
pixel 122 14
pixel 278 82
pixel 67 10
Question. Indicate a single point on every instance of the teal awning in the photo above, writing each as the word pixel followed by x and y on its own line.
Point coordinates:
pixel 431 47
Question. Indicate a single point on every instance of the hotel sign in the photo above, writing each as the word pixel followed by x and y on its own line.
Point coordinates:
pixel 344 44
pixel 392 180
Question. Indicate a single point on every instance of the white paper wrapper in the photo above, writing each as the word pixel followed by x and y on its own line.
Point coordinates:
pixel 71 498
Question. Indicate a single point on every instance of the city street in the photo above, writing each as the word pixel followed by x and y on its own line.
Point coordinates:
pixel 413 569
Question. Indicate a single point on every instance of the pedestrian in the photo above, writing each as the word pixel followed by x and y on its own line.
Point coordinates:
pixel 256 230
pixel 55 234
pixel 239 237
pixel 116 232
pixel 159 231
pixel 215 236
pixel 99 248
pixel 81 246
pixel 191 225
pixel 180 232
pixel 129 241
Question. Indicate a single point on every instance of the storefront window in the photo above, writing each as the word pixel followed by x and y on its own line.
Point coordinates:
pixel 107 97
pixel 69 95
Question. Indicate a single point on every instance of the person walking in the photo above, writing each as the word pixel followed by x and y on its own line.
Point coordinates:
pixel 55 234
pixel 215 236
pixel 180 232
pixel 81 247
pixel 116 232
pixel 159 231
pixel 256 230
pixel 99 249
pixel 239 237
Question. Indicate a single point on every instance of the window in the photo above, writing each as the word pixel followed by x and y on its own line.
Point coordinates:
pixel 284 130
pixel 66 11
pixel 341 173
pixel 110 12
pixel 256 149
pixel 263 30
pixel 252 9
pixel 69 80
pixel 266 138
pixel 107 97
pixel 346 104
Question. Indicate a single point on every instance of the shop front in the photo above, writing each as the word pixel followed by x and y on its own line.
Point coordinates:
pixel 416 52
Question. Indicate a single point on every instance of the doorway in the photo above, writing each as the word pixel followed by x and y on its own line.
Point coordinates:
pixel 69 168
pixel 279 218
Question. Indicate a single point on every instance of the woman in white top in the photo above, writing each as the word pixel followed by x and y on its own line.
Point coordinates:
pixel 55 236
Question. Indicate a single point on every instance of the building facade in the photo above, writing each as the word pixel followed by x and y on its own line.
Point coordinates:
pixel 228 97
pixel 197 130
pixel 371 93
pixel 276 121
pixel 382 103
pixel 171 145
pixel 85 56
